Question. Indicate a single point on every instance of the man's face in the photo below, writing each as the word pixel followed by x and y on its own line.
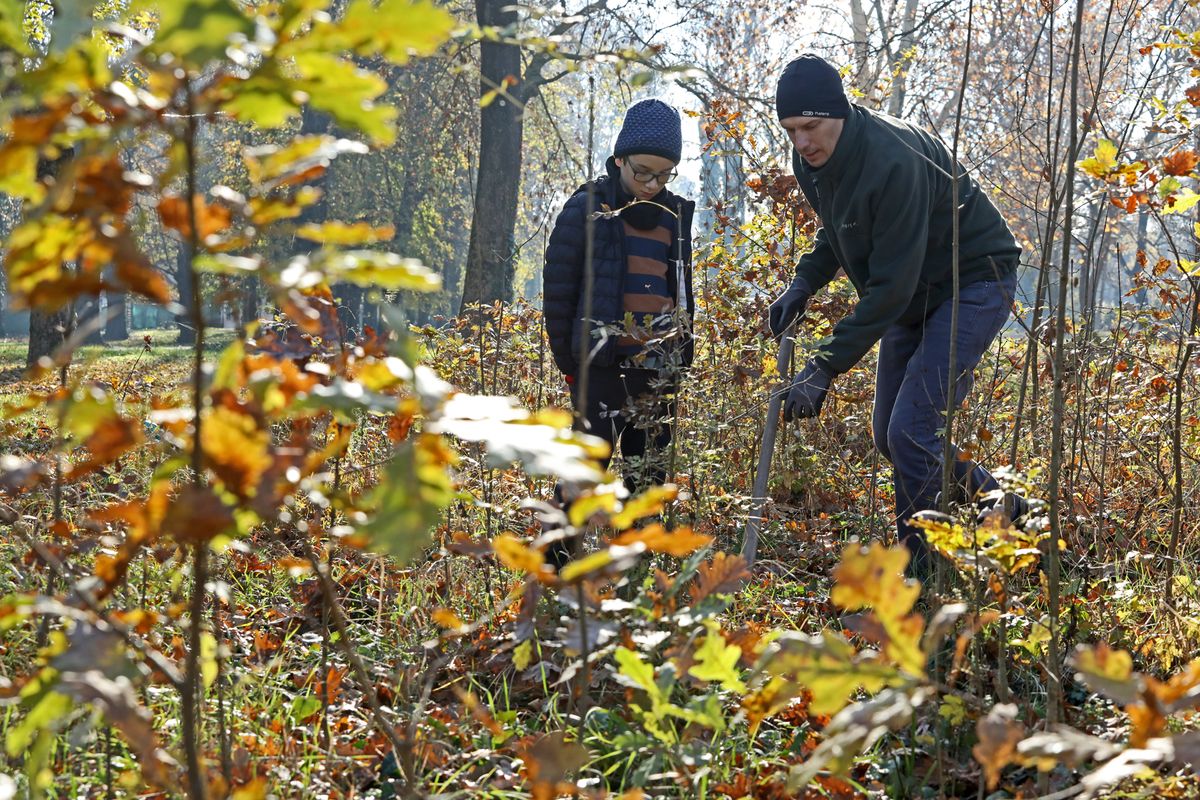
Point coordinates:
pixel 644 176
pixel 814 137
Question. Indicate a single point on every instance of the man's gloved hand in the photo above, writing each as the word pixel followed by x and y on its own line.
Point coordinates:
pixel 808 392
pixel 789 306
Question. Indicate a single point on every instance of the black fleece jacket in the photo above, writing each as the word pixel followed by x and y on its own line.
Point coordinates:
pixel 884 199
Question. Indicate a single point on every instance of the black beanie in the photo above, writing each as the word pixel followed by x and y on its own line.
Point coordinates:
pixel 651 128
pixel 810 87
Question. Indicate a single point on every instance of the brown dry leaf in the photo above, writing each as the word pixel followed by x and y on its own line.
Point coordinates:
pixel 98 184
pixel 113 437
pixel 657 539
pixel 548 762
pixel 463 545
pixel 197 516
pixel 143 520
pixel 723 575
pixel 1180 163
pixel 330 689
pixel 999 732
pixel 235 448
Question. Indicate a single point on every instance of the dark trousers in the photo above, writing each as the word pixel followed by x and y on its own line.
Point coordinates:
pixel 630 407
pixel 911 392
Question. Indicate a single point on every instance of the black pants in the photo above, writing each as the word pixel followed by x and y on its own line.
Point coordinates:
pixel 632 408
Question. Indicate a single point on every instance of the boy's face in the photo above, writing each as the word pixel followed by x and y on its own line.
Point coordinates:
pixel 644 176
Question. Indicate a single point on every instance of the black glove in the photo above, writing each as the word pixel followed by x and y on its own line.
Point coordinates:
pixel 789 306
pixel 808 392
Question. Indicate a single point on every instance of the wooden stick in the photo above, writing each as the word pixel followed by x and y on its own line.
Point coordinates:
pixel 770 428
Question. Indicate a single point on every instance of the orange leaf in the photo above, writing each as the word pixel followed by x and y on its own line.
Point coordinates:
pixel 235 448
pixel 447 619
pixel 1146 722
pixel 679 542
pixel 1181 162
pixel 211 218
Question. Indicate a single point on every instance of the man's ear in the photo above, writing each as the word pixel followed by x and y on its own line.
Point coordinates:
pixel 620 162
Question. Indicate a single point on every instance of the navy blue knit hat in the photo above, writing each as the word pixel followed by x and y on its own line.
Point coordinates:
pixel 651 128
pixel 811 87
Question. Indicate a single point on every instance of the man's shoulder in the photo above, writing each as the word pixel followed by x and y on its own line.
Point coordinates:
pixel 895 142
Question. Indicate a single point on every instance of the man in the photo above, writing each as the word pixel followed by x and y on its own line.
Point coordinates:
pixel 631 328
pixel 883 191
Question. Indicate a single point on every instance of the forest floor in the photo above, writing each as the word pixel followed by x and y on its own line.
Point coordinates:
pixel 665 685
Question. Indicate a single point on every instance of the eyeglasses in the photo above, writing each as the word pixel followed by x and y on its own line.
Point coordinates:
pixel 641 176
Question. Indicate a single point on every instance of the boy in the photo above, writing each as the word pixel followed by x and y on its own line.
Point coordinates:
pixel 620 326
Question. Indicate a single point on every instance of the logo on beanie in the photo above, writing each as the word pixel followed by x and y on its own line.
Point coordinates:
pixel 815 114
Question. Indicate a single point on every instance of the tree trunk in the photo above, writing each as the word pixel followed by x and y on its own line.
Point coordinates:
pixel 250 305
pixel 47 332
pixel 490 269
pixel 117 327
pixel 899 85
pixel 183 282
pixel 87 316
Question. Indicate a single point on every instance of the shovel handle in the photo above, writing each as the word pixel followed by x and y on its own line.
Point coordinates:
pixel 770 428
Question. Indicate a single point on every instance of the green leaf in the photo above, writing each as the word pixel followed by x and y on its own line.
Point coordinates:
pixel 716 660
pixel 72 21
pixel 343 234
pixel 828 667
pixel 303 706
pixel 1103 162
pixel 18 172
pixel 228 364
pixel 383 270
pixel 581 567
pixel 394 29
pixel 86 410
pixel 637 672
pixel 271 164
pixel 209 669
pixel 410 498
pixel 12 32
pixel 347 93
pixel 347 398
pixel 46 709
pixel 267 99
pixel 196 31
